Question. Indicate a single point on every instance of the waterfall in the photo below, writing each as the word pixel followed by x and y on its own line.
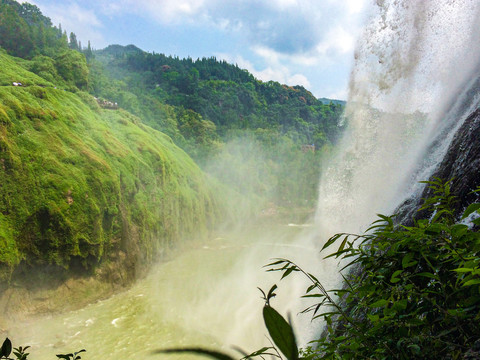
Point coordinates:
pixel 408 93
pixel 413 83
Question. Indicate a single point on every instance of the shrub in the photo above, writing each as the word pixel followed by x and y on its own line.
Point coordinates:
pixel 410 292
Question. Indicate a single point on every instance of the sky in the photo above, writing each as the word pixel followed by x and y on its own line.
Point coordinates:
pixel 294 42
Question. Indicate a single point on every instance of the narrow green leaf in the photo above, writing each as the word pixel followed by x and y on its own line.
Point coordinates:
pixel 394 278
pixel 263 293
pixel 281 332
pixel 313 278
pixel 278 262
pixel 470 209
pixel 198 351
pixel 428 275
pixel 407 260
pixel 463 270
pixel 379 303
pixel 271 293
pixel 287 272
pixel 262 351
pixel 342 245
pixel 331 241
pixel 472 282
pixel 66 356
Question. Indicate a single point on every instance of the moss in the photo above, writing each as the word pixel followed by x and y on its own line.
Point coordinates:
pixel 17 70
pixel 80 183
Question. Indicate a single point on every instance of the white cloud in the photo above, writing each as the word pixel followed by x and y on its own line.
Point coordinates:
pixel 274 70
pixel 163 11
pixel 289 41
pixel 339 41
pixel 74 18
pixel 286 26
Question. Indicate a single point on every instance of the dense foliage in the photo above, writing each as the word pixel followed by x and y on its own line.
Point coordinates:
pixel 225 94
pixel 81 184
pixel 98 176
pixel 201 104
pixel 214 110
pixel 26 32
pixel 411 292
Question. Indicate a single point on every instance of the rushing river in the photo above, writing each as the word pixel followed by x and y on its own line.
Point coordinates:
pixel 205 295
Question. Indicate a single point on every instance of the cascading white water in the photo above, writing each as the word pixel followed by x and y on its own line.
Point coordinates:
pixel 407 96
pixel 411 64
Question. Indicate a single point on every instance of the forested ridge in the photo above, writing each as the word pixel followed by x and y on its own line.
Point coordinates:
pixel 215 110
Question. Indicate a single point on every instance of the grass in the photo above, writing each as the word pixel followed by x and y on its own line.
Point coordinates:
pixel 79 183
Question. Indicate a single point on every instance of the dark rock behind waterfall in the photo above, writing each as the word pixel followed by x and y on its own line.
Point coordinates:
pixel 461 163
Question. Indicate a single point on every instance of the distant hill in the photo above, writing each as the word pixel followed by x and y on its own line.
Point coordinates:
pixel 328 101
pixel 219 92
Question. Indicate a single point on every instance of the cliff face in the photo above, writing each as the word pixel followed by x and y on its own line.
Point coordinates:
pixel 460 164
pixel 82 188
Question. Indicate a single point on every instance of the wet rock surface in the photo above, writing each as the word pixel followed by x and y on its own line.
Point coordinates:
pixel 461 163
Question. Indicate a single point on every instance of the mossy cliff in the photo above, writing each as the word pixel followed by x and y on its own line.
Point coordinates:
pixel 81 185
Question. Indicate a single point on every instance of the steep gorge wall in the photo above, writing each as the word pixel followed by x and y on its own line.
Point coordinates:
pixel 84 190
pixel 461 161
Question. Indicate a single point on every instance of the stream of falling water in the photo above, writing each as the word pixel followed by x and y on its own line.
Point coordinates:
pixel 411 63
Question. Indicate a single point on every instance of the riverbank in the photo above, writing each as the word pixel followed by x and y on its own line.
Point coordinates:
pixel 49 290
pixel 202 293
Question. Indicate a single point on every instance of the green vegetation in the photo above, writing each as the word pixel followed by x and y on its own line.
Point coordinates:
pixel 86 181
pixel 216 111
pixel 410 292
pixel 79 183
pixel 20 354
pixel 96 151
pixel 25 32
pixel 203 105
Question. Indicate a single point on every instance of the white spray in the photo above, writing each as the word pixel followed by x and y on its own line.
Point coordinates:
pixel 411 62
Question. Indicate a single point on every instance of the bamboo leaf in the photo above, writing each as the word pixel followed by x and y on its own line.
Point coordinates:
pixel 198 351
pixel 472 282
pixel 281 332
pixel 331 241
pixel 262 351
